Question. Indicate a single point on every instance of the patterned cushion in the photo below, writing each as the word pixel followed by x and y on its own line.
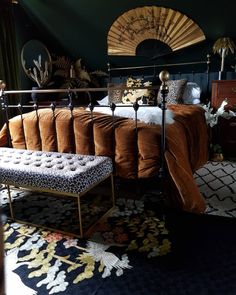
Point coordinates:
pixel 61 172
pixel 192 93
pixel 176 90
pixel 142 96
pixel 115 95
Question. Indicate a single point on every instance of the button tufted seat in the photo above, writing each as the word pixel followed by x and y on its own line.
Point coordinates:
pixel 71 174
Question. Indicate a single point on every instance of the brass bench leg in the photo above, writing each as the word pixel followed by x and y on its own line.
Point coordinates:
pixel 106 214
pixel 112 190
pixel 78 205
pixel 80 218
pixel 10 201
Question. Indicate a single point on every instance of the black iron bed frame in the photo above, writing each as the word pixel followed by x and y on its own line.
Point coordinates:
pixel 164 76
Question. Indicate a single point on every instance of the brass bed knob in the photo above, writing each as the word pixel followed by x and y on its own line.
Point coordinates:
pixel 2 85
pixel 164 76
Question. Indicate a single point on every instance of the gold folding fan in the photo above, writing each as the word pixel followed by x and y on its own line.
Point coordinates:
pixel 171 28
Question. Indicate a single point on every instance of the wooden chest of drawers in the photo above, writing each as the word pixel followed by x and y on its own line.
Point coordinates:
pixel 224 89
pixel 226 133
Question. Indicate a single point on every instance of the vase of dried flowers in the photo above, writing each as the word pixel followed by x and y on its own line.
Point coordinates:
pixel 40 73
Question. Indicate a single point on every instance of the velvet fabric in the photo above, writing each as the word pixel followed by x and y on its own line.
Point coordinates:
pixel 134 154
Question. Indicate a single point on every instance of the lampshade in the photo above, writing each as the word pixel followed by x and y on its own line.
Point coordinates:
pixel 226 44
pixel 223 46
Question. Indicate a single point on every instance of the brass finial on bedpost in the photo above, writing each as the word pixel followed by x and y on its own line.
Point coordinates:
pixel 164 76
pixel 2 86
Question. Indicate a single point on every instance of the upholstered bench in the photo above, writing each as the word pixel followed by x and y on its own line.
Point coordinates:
pixel 60 173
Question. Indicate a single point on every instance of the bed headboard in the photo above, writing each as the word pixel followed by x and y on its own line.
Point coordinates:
pixel 191 73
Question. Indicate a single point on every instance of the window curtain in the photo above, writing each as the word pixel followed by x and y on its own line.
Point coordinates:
pixel 9 57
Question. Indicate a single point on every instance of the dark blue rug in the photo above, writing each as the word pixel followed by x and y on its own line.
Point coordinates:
pixel 139 250
pixel 49 262
pixel 202 260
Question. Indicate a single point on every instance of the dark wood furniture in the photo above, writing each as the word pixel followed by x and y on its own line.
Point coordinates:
pixel 226 130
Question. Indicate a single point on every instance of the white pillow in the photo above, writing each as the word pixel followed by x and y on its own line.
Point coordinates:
pixel 104 101
pixel 192 93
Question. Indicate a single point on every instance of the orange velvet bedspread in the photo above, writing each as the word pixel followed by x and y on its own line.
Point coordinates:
pixel 186 144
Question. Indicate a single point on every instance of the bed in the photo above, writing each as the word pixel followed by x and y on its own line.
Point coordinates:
pixel 134 145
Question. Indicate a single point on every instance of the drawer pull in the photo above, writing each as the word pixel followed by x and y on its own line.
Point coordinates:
pixel 233 89
pixel 232 124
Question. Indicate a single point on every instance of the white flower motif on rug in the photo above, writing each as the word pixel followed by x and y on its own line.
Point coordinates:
pixel 46 266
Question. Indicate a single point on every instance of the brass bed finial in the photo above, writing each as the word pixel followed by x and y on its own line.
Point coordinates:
pixel 164 76
pixel 2 85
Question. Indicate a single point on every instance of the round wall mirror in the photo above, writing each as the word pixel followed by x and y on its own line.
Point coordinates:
pixel 36 62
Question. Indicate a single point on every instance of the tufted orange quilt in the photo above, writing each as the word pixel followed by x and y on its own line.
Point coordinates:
pixel 186 144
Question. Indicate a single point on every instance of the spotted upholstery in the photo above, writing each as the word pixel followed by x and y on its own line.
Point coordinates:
pixel 61 172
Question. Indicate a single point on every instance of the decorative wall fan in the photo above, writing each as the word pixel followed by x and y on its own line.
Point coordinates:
pixel 166 29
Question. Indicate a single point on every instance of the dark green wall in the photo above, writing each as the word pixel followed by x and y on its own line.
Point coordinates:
pixel 79 28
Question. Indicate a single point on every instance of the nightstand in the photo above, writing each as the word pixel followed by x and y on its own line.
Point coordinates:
pixel 226 128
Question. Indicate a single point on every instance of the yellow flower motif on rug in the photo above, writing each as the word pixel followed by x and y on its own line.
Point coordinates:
pixel 38 250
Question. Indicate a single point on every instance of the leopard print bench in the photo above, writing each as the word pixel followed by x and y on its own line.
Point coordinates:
pixel 61 173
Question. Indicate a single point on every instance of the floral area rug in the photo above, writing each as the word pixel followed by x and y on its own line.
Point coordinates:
pixel 38 261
